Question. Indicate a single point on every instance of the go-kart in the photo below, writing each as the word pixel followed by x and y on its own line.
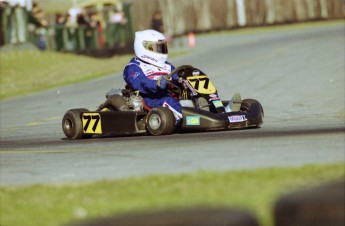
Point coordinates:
pixel 124 111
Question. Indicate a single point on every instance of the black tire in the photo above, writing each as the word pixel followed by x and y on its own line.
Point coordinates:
pixel 255 112
pixel 194 216
pixel 160 121
pixel 72 125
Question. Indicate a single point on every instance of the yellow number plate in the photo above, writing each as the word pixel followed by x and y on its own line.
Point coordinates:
pixel 202 84
pixel 92 123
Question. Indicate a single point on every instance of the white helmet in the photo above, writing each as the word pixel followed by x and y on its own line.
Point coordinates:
pixel 151 46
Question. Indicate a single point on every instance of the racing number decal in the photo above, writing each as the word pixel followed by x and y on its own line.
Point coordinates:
pixel 202 84
pixel 197 81
pixel 92 123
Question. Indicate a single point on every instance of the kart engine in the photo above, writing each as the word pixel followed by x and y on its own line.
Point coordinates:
pixel 124 100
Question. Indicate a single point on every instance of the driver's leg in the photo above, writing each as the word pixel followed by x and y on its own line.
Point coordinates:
pixel 169 102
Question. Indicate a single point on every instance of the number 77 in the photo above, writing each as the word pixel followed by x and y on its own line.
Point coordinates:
pixel 89 118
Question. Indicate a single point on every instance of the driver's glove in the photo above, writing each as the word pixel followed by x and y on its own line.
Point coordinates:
pixel 162 82
pixel 174 77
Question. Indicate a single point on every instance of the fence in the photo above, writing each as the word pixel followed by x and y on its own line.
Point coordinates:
pixel 75 38
pixel 65 37
pixel 181 16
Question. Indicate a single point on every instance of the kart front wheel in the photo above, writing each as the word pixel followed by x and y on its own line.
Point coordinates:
pixel 160 121
pixel 255 112
pixel 72 125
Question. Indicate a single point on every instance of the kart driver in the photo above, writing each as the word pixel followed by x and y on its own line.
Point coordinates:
pixel 147 71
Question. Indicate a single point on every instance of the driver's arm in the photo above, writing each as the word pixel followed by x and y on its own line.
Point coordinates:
pixel 174 76
pixel 136 78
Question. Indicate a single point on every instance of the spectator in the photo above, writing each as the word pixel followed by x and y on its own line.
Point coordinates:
pixel 70 33
pixel 157 25
pixel 83 21
pixel 157 22
pixel 41 35
pixel 96 26
pixel 118 17
pixel 60 21
pixel 19 19
pixel 37 26
pixel 4 22
pixel 117 20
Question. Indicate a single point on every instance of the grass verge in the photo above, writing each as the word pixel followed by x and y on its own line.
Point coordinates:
pixel 29 71
pixel 255 190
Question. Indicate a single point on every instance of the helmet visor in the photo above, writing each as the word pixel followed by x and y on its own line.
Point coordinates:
pixel 157 47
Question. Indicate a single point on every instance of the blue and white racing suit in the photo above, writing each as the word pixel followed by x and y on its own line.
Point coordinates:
pixel 143 77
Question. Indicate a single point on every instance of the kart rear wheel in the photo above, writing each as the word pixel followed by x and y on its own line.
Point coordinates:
pixel 160 121
pixel 72 126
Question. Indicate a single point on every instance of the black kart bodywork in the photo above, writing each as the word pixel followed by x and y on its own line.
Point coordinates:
pixel 82 123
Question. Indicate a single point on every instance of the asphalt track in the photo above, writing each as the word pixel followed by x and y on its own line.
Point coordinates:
pixel 297 73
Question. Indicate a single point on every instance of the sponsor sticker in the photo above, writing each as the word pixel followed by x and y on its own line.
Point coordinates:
pixel 148 57
pixel 214 98
pixel 196 72
pixel 153 77
pixel 237 118
pixel 218 103
pixel 193 120
pixel 134 75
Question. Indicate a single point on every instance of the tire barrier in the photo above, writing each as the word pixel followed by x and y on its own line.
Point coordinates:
pixel 177 217
pixel 313 206
pixel 318 206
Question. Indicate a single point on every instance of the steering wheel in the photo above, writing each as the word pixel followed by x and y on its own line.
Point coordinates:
pixel 178 69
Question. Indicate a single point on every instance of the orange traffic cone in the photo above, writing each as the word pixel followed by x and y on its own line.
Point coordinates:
pixel 191 40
